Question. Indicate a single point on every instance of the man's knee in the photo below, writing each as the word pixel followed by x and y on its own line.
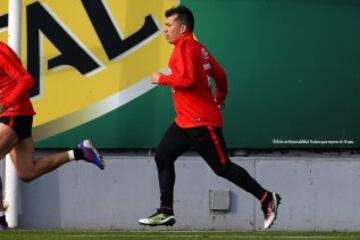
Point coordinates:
pixel 222 171
pixel 26 177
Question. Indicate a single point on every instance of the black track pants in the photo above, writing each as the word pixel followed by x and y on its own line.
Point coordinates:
pixel 208 141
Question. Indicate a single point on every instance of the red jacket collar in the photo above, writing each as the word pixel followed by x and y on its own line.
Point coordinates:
pixel 184 37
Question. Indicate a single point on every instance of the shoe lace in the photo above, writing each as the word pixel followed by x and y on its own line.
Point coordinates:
pixel 161 211
pixel 158 211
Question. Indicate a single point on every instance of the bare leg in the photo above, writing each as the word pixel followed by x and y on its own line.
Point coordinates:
pixel 8 140
pixel 29 168
pixel 2 208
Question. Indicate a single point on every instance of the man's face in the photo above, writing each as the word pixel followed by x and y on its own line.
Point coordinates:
pixel 173 29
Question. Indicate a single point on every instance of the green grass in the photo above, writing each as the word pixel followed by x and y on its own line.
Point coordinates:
pixel 169 235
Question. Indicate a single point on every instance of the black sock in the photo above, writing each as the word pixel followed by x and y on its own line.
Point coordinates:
pixel 167 210
pixel 78 153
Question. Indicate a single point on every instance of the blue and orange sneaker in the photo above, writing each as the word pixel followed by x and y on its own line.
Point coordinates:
pixel 91 154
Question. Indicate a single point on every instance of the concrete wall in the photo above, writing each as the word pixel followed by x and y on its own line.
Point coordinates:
pixel 319 193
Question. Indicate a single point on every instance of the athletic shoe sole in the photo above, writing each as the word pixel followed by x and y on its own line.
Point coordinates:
pixel 167 222
pixel 277 200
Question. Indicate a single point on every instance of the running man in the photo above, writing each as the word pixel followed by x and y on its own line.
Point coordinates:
pixel 198 123
pixel 16 117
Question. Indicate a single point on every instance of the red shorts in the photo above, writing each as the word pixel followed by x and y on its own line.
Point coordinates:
pixel 22 125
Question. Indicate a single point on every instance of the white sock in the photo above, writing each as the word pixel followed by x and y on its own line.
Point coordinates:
pixel 71 155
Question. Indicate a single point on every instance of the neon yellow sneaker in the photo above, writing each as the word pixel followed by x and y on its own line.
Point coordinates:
pixel 160 218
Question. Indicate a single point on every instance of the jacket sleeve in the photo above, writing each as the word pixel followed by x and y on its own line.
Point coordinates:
pixel 220 78
pixel 184 73
pixel 24 82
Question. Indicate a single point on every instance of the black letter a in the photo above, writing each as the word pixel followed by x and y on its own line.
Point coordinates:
pixel 39 19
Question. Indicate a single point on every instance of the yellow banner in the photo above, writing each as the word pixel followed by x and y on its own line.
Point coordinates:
pixel 89 57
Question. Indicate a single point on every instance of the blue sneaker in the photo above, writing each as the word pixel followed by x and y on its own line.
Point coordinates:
pixel 91 154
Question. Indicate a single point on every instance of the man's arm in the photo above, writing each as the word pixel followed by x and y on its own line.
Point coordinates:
pixel 184 74
pixel 24 82
pixel 220 78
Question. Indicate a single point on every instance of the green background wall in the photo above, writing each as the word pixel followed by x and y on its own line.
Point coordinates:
pixel 294 74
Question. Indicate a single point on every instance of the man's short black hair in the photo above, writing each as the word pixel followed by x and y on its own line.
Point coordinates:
pixel 184 14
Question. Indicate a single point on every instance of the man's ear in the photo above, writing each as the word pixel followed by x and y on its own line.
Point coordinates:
pixel 183 28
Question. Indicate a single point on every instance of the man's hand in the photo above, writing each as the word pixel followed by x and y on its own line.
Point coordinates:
pixel 220 105
pixel 154 78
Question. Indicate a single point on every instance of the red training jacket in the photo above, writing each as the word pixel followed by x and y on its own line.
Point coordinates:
pixel 15 84
pixel 191 66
